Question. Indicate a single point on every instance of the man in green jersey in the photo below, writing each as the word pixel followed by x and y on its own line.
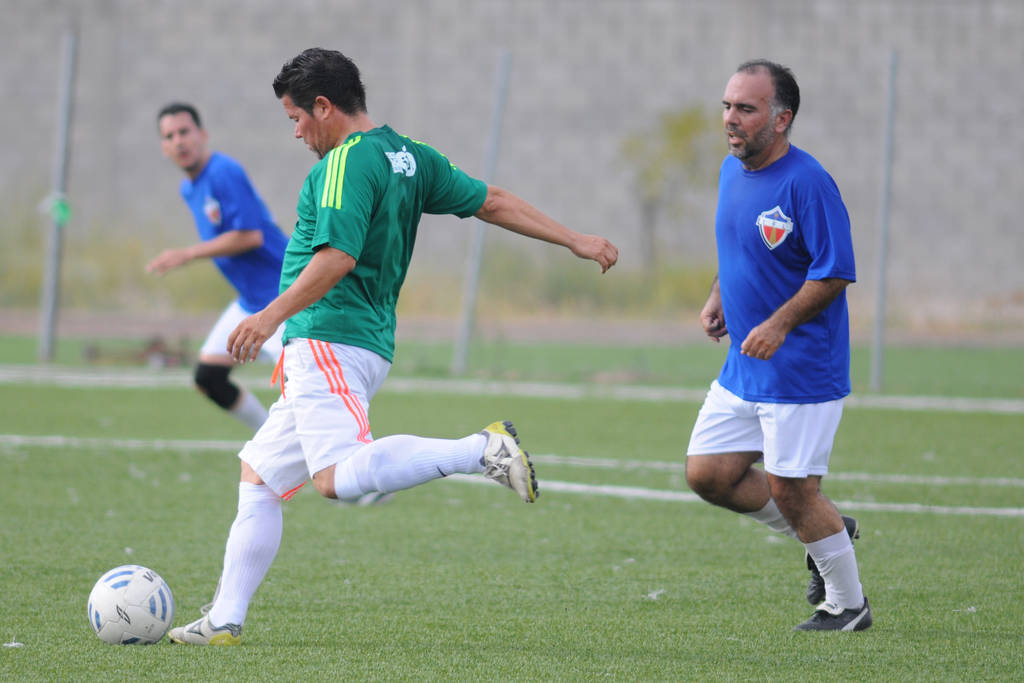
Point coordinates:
pixel 358 213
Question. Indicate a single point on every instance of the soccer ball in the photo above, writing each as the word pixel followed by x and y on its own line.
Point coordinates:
pixel 131 605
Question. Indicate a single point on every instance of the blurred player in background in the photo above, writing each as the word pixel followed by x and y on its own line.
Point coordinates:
pixel 358 213
pixel 238 234
pixel 785 257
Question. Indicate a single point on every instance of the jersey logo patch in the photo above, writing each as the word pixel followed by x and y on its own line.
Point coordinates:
pixel 774 227
pixel 402 162
pixel 211 207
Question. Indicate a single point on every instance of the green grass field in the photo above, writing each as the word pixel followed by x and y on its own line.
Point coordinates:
pixel 454 580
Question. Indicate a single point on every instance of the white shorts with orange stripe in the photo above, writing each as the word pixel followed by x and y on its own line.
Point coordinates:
pixel 322 416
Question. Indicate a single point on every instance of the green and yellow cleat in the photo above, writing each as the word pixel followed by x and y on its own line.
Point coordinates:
pixel 506 463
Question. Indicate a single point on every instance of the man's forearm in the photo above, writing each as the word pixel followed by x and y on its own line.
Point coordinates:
pixel 327 267
pixel 811 299
pixel 227 244
pixel 513 213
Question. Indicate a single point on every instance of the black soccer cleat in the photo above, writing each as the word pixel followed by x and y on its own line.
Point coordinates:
pixel 828 617
pixel 816 586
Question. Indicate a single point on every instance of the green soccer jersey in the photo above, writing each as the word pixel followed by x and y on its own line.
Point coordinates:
pixel 366 198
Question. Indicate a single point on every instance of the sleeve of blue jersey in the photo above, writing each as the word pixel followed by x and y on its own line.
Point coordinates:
pixel 240 208
pixel 825 229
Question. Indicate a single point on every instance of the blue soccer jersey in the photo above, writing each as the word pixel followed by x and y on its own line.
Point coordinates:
pixel 223 199
pixel 776 228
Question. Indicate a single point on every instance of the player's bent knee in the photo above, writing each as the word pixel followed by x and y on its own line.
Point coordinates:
pixel 323 481
pixel 213 381
pixel 797 498
pixel 791 491
pixel 715 477
pixel 701 475
pixel 249 475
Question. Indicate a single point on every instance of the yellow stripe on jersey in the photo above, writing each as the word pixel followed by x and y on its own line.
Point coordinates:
pixel 328 177
pixel 334 178
pixel 419 142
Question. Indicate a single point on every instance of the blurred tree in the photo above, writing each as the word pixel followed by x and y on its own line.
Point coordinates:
pixel 666 159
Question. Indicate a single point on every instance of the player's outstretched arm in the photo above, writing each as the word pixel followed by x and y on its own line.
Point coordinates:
pixel 516 214
pixel 226 244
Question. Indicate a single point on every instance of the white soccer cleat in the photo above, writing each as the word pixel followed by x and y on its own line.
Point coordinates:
pixel 203 632
pixel 506 463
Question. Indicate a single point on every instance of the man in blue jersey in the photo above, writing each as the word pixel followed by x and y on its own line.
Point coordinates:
pixel 238 234
pixel 785 257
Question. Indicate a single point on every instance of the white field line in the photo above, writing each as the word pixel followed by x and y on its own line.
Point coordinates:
pixel 629 492
pixel 103 443
pixel 87 377
pixel 678 467
pixel 635 492
pixel 144 378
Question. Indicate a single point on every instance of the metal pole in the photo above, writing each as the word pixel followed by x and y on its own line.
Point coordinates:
pixel 471 282
pixel 57 202
pixel 878 344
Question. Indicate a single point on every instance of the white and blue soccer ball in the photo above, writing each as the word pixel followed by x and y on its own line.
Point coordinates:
pixel 131 605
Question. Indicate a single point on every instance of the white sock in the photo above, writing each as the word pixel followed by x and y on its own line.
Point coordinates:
pixel 772 517
pixel 252 545
pixel 400 462
pixel 249 410
pixel 837 564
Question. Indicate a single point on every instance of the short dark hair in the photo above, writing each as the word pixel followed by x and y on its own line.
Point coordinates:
pixel 180 108
pixel 787 92
pixel 316 72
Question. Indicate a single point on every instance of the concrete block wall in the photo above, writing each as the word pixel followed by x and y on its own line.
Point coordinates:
pixel 585 74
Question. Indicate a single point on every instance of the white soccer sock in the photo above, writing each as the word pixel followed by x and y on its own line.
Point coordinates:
pixel 249 410
pixel 252 545
pixel 837 564
pixel 399 462
pixel 771 516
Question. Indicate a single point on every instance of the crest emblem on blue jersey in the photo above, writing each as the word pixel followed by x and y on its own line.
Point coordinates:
pixel 774 227
pixel 402 162
pixel 211 207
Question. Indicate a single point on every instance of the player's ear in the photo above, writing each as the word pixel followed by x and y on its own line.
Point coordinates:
pixel 783 120
pixel 322 107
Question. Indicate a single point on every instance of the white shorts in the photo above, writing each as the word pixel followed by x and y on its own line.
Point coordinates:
pixel 322 416
pixel 795 439
pixel 217 341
